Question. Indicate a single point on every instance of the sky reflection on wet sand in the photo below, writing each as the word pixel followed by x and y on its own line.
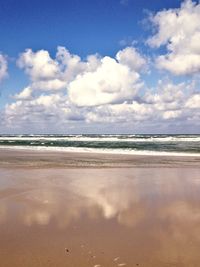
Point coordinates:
pixel 88 217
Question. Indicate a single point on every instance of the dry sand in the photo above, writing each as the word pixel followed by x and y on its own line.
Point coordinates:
pixel 56 211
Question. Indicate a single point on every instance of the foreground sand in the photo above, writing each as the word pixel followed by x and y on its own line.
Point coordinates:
pixel 56 211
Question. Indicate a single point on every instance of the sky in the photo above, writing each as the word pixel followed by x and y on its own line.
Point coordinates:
pixel 109 66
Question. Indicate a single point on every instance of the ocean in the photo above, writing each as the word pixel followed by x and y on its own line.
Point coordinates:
pixel 143 144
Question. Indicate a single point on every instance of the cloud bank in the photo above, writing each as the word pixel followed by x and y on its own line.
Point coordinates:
pixel 111 94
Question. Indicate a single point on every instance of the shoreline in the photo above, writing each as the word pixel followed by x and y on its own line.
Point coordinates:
pixel 27 158
pixel 100 151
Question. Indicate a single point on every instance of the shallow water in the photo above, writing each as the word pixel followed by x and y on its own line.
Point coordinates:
pixel 103 217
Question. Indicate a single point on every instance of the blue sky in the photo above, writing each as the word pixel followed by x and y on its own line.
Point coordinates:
pixel 85 27
pixel 104 28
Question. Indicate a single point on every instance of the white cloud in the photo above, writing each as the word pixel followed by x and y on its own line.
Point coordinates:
pixel 38 65
pixel 193 102
pixel 178 30
pixel 71 65
pixel 122 113
pixel 48 85
pixel 171 114
pixel 106 91
pixel 167 102
pixel 131 58
pixel 40 112
pixel 113 81
pixel 165 106
pixel 25 94
pixel 48 74
pixel 3 67
pixel 110 83
pixel 167 95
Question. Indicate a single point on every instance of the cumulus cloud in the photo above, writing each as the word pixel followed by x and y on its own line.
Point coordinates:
pixel 71 65
pixel 49 74
pixel 38 65
pixel 25 94
pixel 90 82
pixel 167 104
pixel 40 113
pixel 48 85
pixel 67 91
pixel 97 90
pixel 123 113
pixel 193 102
pixel 112 82
pixel 179 30
pixel 131 58
pixel 167 95
pixel 172 114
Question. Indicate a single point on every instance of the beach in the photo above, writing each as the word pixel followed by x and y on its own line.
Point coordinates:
pixel 96 209
pixel 100 133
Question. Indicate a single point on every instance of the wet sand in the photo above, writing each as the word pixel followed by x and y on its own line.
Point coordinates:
pixel 41 159
pixel 57 212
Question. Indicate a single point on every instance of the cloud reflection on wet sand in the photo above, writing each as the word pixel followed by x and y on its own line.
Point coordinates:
pixel 155 212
